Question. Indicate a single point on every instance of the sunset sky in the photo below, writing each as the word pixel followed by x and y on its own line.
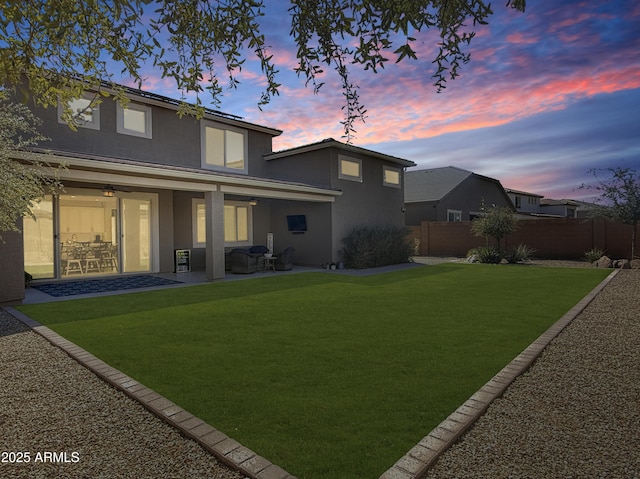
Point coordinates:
pixel 548 95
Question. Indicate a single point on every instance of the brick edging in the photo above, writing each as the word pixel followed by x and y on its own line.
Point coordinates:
pixel 227 450
pixel 417 462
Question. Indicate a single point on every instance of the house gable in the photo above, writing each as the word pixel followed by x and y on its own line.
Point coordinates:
pixel 450 194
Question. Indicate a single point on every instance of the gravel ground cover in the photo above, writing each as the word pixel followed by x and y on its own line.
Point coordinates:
pixel 576 412
pixel 51 404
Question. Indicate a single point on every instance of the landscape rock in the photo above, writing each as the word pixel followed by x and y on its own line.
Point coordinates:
pixel 634 264
pixel 622 264
pixel 604 262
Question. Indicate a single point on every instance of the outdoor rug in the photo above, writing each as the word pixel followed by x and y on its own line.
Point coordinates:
pixel 89 286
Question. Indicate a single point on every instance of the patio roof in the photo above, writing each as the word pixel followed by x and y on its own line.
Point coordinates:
pixel 120 172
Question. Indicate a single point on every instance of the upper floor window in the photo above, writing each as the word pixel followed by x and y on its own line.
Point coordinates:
pixel 223 147
pixel 350 169
pixel 518 202
pixel 134 119
pixel 85 115
pixel 391 176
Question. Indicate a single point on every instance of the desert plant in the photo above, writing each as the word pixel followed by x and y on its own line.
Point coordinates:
pixel 372 246
pixel 594 254
pixel 520 254
pixel 486 254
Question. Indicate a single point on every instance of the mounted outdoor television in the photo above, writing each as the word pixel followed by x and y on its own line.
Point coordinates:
pixel 297 223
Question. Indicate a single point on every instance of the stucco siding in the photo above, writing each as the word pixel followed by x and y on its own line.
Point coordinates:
pixel 313 247
pixel 11 267
pixel 312 168
pixel 165 229
pixel 175 141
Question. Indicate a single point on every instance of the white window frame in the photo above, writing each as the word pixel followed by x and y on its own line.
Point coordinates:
pixel 94 124
pixel 225 128
pixel 385 180
pixel 454 212
pixel 148 122
pixel 195 205
pixel 247 205
pixel 346 176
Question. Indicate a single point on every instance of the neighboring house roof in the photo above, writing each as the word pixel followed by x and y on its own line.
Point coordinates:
pixel 433 184
pixel 331 143
pixel 552 202
pixel 436 183
pixel 518 192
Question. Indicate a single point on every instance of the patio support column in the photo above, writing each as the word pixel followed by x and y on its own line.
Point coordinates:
pixel 214 256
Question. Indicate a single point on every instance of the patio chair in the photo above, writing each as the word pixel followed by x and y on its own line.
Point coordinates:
pixel 284 261
pixel 258 250
pixel 71 259
pixel 243 262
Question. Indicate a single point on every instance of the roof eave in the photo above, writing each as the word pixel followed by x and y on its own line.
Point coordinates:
pixel 342 146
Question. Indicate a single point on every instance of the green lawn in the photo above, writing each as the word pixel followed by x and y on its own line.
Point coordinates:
pixel 328 376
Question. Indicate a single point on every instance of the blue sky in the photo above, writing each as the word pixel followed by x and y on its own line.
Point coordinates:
pixel 548 95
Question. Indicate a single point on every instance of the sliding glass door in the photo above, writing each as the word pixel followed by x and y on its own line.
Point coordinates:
pixel 39 256
pixel 83 233
pixel 88 236
pixel 136 235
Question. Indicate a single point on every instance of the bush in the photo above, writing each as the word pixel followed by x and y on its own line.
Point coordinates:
pixel 486 254
pixel 519 254
pixel 594 254
pixel 372 246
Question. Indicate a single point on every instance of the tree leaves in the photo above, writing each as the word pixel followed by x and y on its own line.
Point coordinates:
pixel 21 182
pixel 64 47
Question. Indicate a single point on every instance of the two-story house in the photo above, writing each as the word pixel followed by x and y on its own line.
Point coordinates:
pixel 140 183
pixel 524 202
pixel 534 206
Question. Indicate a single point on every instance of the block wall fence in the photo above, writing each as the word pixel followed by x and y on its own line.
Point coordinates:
pixel 562 238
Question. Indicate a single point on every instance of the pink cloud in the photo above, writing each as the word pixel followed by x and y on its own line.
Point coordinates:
pixel 521 39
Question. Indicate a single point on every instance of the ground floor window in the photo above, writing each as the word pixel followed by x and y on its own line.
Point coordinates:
pixel 83 232
pixel 236 223
pixel 238 229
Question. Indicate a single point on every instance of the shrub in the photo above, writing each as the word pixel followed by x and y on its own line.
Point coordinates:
pixel 372 246
pixel 486 254
pixel 594 254
pixel 519 254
